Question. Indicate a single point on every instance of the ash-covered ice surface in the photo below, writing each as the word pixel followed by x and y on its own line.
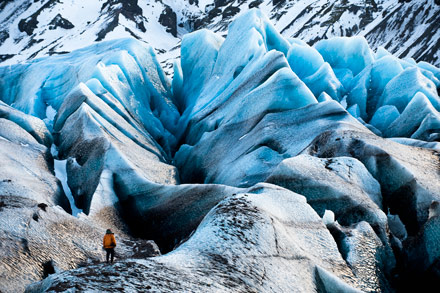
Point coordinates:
pixel 263 165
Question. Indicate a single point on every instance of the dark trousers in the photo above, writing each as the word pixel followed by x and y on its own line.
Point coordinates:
pixel 110 252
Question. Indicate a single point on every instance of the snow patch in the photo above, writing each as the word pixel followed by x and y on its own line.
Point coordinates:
pixel 328 218
pixel 61 174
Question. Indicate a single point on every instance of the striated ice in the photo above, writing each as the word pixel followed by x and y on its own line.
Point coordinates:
pixel 354 111
pixel 429 129
pixel 401 89
pixel 417 143
pixel 384 116
pixel 126 68
pixel 410 119
pixel 324 80
pixel 429 67
pixel 345 76
pixel 304 60
pixel 343 52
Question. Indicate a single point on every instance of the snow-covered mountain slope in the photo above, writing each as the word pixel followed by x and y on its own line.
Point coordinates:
pixel 405 28
pixel 30 29
pixel 211 163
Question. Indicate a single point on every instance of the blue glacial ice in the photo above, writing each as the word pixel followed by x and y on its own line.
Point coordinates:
pixel 384 116
pixel 209 75
pixel 303 59
pixel 126 68
pixel 249 100
pixel 348 53
pixel 243 109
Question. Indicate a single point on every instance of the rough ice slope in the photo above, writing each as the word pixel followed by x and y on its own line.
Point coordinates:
pixel 243 109
pixel 247 243
pixel 254 113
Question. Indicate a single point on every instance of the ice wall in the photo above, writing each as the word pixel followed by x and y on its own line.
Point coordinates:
pixel 124 70
pixel 243 109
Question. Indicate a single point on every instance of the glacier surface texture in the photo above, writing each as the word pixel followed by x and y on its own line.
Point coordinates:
pixel 263 165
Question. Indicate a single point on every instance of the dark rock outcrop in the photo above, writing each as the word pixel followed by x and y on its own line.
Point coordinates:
pixel 61 22
pixel 168 19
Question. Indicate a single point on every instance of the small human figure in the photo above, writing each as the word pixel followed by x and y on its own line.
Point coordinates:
pixel 109 244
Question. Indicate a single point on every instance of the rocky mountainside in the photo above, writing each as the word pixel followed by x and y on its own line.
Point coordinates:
pixel 264 165
pixel 405 28
pixel 30 29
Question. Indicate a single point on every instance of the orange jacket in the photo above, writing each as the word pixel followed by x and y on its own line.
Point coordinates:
pixel 109 241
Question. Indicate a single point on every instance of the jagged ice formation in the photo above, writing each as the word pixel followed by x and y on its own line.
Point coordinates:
pixel 264 165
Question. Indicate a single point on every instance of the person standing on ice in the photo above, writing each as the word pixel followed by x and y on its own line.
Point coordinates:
pixel 109 244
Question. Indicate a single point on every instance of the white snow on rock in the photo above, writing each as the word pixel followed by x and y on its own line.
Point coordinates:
pixel 328 217
pixel 41 28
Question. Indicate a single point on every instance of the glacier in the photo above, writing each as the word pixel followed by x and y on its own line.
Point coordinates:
pixel 230 167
